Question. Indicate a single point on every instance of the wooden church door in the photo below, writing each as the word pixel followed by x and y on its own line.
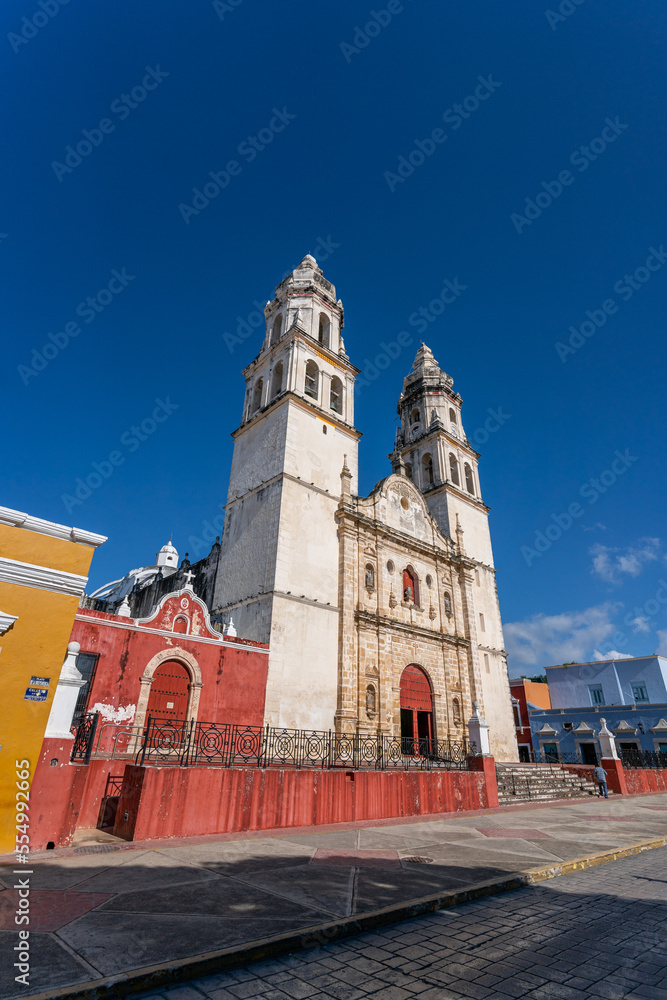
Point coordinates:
pixel 417 729
pixel 170 692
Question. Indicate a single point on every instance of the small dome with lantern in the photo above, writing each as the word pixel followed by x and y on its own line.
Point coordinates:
pixel 167 556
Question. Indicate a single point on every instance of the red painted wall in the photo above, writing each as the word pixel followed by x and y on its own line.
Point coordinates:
pixel 233 675
pixel 487 766
pixel 184 802
pixel 65 797
pixel 641 780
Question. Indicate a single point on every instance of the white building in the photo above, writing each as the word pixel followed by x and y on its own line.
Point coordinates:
pixel 635 680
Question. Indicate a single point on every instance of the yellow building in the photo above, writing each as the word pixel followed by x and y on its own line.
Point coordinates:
pixel 43 572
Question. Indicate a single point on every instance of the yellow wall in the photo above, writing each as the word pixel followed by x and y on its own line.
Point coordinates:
pixel 34 646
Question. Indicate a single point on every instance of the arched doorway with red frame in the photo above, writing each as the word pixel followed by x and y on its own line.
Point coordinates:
pixel 417 720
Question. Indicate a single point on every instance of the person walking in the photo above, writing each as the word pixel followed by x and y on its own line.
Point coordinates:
pixel 600 775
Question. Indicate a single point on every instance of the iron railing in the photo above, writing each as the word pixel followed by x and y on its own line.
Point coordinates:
pixel 210 744
pixel 84 739
pixel 643 758
pixel 226 745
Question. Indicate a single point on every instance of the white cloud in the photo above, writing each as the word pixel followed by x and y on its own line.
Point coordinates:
pixel 611 564
pixel 544 640
pixel 640 624
pixel 594 527
pixel 613 654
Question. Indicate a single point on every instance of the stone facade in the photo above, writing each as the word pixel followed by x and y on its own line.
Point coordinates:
pixel 382 632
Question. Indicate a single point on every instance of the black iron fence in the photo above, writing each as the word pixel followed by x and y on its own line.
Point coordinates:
pixel 209 744
pixel 643 758
pixel 84 738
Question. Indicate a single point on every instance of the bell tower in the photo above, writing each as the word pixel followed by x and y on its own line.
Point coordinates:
pixel 433 451
pixel 279 551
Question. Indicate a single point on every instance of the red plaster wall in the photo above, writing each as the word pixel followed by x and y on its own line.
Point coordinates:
pixel 233 676
pixel 128 803
pixel 65 797
pixel 184 802
pixel 641 780
pixel 488 766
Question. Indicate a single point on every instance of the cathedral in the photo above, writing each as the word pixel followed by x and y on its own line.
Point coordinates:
pixel 380 613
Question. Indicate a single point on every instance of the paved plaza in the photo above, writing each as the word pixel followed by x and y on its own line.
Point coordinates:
pixel 109 910
pixel 600 934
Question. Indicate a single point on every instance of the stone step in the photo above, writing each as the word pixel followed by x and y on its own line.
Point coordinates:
pixel 521 782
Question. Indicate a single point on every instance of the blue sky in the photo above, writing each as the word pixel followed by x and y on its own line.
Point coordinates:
pixel 538 195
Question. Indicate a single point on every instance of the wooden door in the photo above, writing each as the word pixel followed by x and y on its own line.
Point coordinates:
pixel 170 692
pixel 417 727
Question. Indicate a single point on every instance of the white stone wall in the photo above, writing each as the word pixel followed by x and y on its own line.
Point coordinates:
pixel 259 453
pixel 279 579
pixel 303 665
pixel 317 457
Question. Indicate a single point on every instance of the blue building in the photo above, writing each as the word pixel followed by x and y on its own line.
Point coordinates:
pixel 631 694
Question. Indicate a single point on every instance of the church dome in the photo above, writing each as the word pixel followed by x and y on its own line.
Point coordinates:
pixel 167 556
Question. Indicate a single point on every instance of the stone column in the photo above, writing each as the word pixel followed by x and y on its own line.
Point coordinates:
pixel 346 718
pixel 64 700
pixel 348 407
pixel 466 589
pixel 325 389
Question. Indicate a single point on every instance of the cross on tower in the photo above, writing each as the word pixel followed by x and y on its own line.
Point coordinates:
pixel 189 576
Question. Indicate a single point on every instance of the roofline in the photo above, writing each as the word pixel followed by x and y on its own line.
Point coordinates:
pixel 601 710
pixel 19 519
pixel 131 625
pixel 618 659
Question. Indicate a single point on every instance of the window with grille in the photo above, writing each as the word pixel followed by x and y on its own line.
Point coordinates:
pixel 85 664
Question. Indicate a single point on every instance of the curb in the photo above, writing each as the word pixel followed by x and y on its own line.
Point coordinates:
pixel 153 977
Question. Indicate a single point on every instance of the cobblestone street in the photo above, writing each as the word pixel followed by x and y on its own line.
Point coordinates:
pixel 601 933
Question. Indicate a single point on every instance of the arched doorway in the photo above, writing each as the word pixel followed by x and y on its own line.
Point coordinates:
pixel 417 728
pixel 170 692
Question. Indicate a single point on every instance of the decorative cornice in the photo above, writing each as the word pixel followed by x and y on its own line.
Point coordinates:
pixel 452 439
pixel 20 520
pixel 624 727
pixel 41 577
pixel 278 478
pixel 401 538
pixel 371 621
pixel 188 592
pixel 129 625
pixel 546 730
pixel 457 491
pixel 290 396
pixel 6 622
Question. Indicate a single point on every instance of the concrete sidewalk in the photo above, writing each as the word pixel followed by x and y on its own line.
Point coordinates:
pixel 109 910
